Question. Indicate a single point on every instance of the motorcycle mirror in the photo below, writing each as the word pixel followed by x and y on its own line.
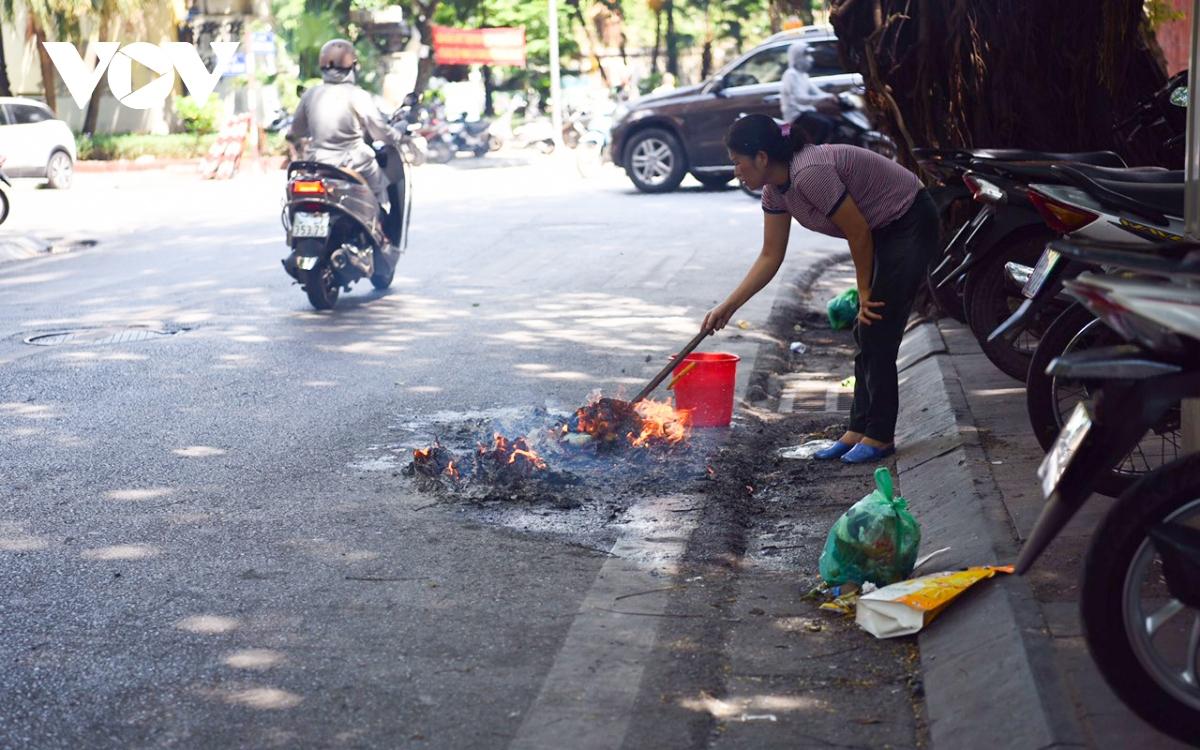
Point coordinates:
pixel 1179 97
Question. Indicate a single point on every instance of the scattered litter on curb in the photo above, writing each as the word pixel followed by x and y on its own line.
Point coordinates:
pixel 798 348
pixel 758 717
pixel 926 558
pixel 804 450
pixel 743 324
pixel 905 607
pixel 848 383
pixel 875 540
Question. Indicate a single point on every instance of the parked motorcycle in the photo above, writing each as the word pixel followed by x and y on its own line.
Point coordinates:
pixel 1140 593
pixel 337 229
pixel 471 137
pixel 1106 212
pixel 536 132
pixel 595 145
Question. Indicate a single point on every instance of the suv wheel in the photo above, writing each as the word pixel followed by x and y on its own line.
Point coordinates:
pixel 712 181
pixel 59 170
pixel 656 161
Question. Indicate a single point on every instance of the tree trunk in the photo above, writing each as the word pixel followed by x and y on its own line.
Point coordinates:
pixel 672 50
pixel 49 82
pixel 961 74
pixel 774 17
pixel 93 108
pixel 593 44
pixel 489 88
pixel 657 41
pixel 424 24
pixel 5 86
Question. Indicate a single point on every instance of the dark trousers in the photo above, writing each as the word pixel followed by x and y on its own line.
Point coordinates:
pixel 903 250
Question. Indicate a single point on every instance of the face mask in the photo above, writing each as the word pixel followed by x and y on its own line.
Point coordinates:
pixel 337 75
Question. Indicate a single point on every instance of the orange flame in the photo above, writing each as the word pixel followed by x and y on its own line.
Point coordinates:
pixel 661 422
pixel 452 471
pixel 422 454
pixel 502 448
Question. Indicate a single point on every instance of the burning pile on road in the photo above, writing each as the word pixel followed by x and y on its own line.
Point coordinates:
pixel 605 425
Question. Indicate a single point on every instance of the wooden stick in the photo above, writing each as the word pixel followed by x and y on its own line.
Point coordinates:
pixel 662 375
pixel 677 378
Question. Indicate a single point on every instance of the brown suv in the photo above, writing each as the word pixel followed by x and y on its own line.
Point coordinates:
pixel 662 137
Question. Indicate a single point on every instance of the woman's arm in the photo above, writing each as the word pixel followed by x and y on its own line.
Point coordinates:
pixel 854 225
pixel 776 228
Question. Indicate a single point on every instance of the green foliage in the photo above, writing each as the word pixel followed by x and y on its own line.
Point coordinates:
pixel 131 145
pixel 176 146
pixel 198 119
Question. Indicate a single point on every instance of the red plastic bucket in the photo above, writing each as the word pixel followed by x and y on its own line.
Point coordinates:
pixel 707 388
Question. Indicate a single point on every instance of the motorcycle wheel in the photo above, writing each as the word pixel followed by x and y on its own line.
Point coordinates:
pixel 382 280
pixel 322 288
pixel 412 154
pixel 991 298
pixel 3 206
pixel 1134 626
pixel 440 153
pixel 545 147
pixel 589 157
pixel 494 143
pixel 1050 399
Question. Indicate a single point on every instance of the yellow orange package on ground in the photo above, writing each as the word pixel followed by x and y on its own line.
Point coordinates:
pixel 904 608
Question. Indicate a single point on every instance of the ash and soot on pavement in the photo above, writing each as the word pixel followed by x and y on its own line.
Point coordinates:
pixel 609 452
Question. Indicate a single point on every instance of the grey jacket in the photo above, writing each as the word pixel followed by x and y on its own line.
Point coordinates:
pixel 336 117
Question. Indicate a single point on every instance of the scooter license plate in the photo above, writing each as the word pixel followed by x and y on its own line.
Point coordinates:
pixel 1065 447
pixel 310 225
pixel 1041 272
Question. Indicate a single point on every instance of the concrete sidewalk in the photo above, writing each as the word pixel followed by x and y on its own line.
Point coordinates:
pixel 1007 666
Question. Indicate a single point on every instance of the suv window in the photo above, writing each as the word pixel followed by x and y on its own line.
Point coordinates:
pixel 825 59
pixel 767 66
pixel 27 114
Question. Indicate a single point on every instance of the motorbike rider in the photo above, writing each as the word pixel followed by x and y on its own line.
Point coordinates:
pixel 339 118
pixel 801 99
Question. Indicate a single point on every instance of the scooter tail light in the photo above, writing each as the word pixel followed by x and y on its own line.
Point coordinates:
pixel 982 190
pixel 1060 217
pixel 308 187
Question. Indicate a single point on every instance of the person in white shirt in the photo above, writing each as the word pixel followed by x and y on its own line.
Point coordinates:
pixel 801 98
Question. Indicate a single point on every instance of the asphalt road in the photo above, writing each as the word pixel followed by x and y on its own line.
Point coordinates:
pixel 204 540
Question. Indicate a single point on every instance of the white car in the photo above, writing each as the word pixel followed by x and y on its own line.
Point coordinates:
pixel 35 143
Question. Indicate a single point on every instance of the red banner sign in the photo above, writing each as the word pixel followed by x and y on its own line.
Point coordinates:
pixel 479 46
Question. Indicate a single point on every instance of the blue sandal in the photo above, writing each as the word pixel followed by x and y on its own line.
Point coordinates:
pixel 837 450
pixel 865 454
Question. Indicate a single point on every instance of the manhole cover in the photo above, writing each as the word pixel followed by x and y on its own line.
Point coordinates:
pixel 98 336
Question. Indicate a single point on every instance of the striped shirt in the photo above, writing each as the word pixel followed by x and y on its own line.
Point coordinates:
pixel 822 177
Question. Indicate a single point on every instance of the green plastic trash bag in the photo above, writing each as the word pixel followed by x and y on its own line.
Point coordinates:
pixel 843 309
pixel 875 540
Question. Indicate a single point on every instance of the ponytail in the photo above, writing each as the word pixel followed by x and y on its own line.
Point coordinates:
pixel 754 133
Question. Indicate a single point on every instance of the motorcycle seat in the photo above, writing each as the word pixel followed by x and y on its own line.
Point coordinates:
pixel 475 128
pixel 1154 201
pixel 1038 171
pixel 323 168
pixel 1134 174
pixel 1165 198
pixel 1097 158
